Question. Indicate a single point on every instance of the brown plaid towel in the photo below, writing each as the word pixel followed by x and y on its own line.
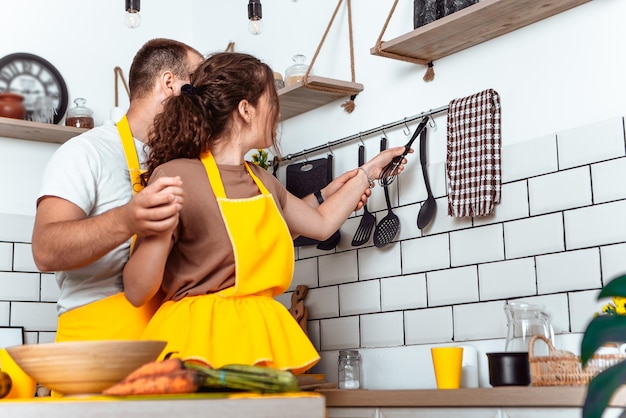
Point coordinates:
pixel 473 160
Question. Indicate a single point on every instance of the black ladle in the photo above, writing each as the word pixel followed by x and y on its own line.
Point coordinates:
pixel 389 172
pixel 429 207
pixel 388 227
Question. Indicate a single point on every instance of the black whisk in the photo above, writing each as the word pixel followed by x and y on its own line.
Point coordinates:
pixel 390 171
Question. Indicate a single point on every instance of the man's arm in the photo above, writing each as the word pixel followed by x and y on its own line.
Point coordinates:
pixel 64 238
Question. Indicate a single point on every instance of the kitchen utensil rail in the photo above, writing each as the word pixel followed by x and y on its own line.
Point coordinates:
pixel 360 135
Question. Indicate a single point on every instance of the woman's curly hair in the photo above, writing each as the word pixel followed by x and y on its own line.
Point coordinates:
pixel 189 122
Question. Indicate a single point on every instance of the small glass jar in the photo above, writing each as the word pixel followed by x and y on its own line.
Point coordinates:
pixel 80 116
pixel 349 369
pixel 296 72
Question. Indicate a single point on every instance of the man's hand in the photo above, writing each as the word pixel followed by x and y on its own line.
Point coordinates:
pixel 155 209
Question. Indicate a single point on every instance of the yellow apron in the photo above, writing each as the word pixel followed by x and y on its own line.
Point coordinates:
pixel 242 324
pixel 111 318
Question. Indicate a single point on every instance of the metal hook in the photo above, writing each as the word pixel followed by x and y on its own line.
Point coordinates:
pixel 361 139
pixel 432 123
pixel 329 149
pixel 382 128
pixel 407 128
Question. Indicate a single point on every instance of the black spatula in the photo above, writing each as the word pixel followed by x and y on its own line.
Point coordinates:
pixel 388 227
pixel 364 230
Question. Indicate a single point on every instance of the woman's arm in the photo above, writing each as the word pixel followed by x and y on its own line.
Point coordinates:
pixel 319 223
pixel 144 270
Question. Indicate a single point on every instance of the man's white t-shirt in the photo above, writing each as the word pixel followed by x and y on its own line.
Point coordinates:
pixel 90 171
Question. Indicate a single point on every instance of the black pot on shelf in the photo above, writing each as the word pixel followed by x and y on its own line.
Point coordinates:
pixel 509 369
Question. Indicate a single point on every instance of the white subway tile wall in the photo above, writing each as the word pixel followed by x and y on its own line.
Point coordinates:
pixel 555 238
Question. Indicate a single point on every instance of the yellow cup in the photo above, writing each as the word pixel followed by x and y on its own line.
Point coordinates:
pixel 448 364
pixel 23 386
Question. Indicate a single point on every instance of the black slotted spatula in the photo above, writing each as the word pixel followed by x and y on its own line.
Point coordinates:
pixel 364 230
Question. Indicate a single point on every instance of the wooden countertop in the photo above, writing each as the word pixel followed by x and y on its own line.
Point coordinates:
pixel 305 405
pixel 509 396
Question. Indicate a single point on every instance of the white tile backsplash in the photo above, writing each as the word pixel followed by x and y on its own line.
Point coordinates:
pixel 532 236
pixel 591 143
pixel 305 273
pixel 359 298
pixel 379 262
pixel 34 316
pixel 6 256
pixel 613 261
pixel 449 287
pixel 382 330
pixel 505 279
pixel 403 292
pixel 475 321
pixel 559 191
pixel 23 258
pixel 338 268
pixel 424 326
pixel 476 245
pixel 571 270
pixel 555 237
pixel 414 259
pixel 513 204
pixel 15 286
pixel 338 333
pixel 582 308
pixel 595 225
pixel 323 302
pixel 603 176
pixel 529 158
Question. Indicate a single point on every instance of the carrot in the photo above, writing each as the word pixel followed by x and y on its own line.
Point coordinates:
pixel 177 381
pixel 156 368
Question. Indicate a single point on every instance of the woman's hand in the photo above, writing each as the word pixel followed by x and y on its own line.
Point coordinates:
pixel 374 167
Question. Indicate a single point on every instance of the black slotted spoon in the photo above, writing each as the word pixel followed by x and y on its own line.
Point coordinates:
pixel 364 230
pixel 388 227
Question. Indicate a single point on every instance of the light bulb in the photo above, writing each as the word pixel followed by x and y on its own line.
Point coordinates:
pixel 255 13
pixel 255 26
pixel 132 19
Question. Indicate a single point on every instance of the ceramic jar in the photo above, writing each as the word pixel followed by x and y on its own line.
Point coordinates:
pixel 11 106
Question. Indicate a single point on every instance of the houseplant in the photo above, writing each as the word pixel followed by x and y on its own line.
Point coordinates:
pixel 604 329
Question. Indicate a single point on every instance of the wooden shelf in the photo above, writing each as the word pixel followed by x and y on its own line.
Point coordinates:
pixel 297 99
pixel 477 23
pixel 35 131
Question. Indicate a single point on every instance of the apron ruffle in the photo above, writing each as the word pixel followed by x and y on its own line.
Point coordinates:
pixel 233 330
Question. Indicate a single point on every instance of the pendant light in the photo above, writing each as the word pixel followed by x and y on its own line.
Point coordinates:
pixel 132 18
pixel 255 13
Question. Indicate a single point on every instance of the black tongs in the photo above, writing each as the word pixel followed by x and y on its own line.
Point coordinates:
pixel 390 171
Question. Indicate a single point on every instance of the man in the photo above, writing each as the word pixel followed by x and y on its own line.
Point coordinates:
pixel 88 211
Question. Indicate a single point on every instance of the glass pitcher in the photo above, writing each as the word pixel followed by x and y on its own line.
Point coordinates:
pixel 524 321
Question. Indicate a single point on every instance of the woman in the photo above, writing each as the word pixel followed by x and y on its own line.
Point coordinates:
pixel 231 252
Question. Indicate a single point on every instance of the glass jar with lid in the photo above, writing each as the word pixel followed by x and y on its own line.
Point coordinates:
pixel 296 72
pixel 80 116
pixel 349 369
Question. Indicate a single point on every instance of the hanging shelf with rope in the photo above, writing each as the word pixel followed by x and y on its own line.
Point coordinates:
pixel 315 91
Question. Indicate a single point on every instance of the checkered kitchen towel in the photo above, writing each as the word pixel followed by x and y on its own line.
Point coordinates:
pixel 473 160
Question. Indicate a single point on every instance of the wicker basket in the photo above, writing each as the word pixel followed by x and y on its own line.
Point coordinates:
pixel 563 368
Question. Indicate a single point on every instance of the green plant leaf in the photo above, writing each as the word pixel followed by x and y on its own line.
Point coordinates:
pixel 615 287
pixel 601 390
pixel 601 330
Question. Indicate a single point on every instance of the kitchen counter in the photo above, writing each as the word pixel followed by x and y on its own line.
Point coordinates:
pixel 509 396
pixel 302 405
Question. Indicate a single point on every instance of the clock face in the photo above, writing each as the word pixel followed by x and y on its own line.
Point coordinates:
pixel 43 88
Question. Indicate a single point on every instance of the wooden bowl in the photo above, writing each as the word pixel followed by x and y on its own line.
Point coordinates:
pixel 83 367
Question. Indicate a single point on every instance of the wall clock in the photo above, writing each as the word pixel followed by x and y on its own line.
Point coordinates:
pixel 41 84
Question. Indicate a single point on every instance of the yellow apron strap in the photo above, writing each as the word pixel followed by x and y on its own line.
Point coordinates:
pixel 132 161
pixel 213 172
